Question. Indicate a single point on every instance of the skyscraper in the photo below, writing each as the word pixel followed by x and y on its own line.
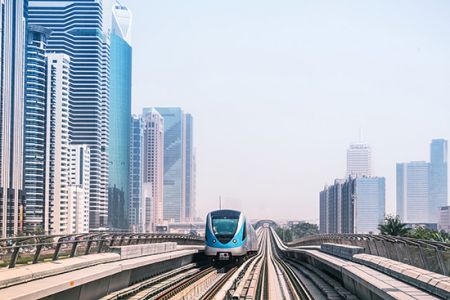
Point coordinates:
pixel 438 179
pixel 153 163
pixel 356 205
pixel 34 130
pixel 190 169
pixel 369 204
pixel 359 162
pixel 12 56
pixel 120 111
pixel 57 144
pixel 77 31
pixel 413 193
pixel 174 163
pixel 135 165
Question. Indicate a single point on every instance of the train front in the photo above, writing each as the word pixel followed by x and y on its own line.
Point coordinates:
pixel 225 235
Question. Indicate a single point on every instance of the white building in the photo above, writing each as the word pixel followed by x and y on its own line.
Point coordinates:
pixel 413 205
pixel 359 160
pixel 57 144
pixel 79 179
pixel 147 208
pixel 444 218
pixel 153 161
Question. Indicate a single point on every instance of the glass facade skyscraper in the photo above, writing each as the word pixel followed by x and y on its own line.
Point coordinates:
pixel 174 163
pixel 77 31
pixel 413 192
pixel 190 169
pixel 13 20
pixel 34 133
pixel 438 178
pixel 120 111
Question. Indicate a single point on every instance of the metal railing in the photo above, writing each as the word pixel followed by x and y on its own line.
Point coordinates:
pixel 428 255
pixel 34 249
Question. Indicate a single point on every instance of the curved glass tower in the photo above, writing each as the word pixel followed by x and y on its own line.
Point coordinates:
pixel 120 112
pixel 35 121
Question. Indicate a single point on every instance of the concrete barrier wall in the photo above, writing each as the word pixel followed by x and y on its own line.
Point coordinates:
pixel 132 251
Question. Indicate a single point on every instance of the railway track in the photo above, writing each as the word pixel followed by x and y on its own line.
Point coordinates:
pixel 266 275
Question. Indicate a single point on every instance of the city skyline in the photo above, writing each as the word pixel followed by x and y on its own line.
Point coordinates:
pixel 322 71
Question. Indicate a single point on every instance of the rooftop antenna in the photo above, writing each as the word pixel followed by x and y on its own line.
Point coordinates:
pixel 360 134
pixel 220 202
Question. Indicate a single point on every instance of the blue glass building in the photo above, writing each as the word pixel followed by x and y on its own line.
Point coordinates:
pixel 119 112
pixel 77 31
pixel 438 177
pixel 174 163
pixel 190 169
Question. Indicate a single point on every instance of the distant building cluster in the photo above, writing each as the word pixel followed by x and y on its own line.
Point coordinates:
pixel 357 204
pixel 422 187
pixel 71 159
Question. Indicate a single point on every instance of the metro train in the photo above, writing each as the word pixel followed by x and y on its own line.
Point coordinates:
pixel 229 236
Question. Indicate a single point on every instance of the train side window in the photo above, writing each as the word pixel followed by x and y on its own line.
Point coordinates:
pixel 244 232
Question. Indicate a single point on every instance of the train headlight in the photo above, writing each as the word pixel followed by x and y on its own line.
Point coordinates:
pixel 214 241
pixel 235 241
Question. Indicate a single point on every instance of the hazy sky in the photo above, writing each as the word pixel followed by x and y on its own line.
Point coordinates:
pixel 278 90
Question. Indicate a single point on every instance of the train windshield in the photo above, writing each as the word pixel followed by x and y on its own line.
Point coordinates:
pixel 224 223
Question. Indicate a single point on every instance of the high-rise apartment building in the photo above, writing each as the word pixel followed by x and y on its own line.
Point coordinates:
pixel 153 164
pixel 359 161
pixel 57 144
pixel 34 129
pixel 356 205
pixel 78 188
pixel 135 165
pixel 13 21
pixel 77 31
pixel 174 164
pixel 438 177
pixel 413 205
pixel 120 111
pixel 190 169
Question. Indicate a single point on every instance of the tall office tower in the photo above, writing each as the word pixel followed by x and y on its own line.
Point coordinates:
pixel 57 144
pixel 174 164
pixel 34 130
pixel 190 179
pixel 369 204
pixel 413 193
pixel 119 113
pixel 330 208
pixel 348 208
pixel 12 64
pixel 77 28
pixel 135 190
pixel 153 163
pixel 438 181
pixel 79 177
pixel 323 209
pixel 359 162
